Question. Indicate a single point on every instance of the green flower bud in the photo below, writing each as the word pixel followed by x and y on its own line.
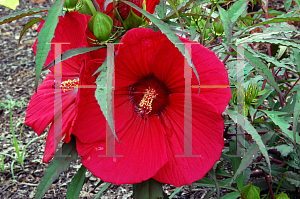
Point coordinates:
pixel 70 4
pixel 218 27
pixel 87 8
pixel 251 93
pixel 100 25
pixel 132 21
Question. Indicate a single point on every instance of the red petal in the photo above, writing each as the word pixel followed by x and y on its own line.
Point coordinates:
pixel 40 111
pixel 207 141
pixel 142 146
pixel 67 120
pixel 137 45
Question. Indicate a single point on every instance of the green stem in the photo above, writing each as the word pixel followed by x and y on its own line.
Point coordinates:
pixel 15 141
pixel 287 168
pixel 203 32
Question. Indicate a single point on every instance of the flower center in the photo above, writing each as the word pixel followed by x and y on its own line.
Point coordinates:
pixel 146 102
pixel 69 85
pixel 150 96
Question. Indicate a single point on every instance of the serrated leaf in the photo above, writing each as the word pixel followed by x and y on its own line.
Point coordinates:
pixel 237 9
pixel 71 53
pixel 296 53
pixel 284 149
pixel 250 191
pixel 281 18
pixel 58 165
pixel 28 25
pixel 292 177
pixel 149 189
pixel 296 117
pixel 262 69
pixel 232 195
pixel 284 125
pixel 169 33
pixel 10 3
pixel 19 15
pixel 76 184
pixel 45 37
pixel 226 22
pixel 252 131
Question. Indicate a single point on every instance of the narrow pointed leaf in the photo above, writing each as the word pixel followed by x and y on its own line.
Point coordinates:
pixel 71 53
pixel 252 131
pixel 60 162
pixel 28 25
pixel 232 195
pixel 296 117
pixel 169 33
pixel 45 37
pixel 76 184
pixel 19 15
pixel 226 22
pixel 237 9
pixel 102 190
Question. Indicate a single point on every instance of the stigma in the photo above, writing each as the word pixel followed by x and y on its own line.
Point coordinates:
pixel 145 105
pixel 69 85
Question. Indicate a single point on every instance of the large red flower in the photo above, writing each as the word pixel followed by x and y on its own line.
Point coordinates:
pixel 149 114
pixel 40 112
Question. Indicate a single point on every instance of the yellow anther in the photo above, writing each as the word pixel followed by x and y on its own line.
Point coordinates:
pixel 145 106
pixel 69 85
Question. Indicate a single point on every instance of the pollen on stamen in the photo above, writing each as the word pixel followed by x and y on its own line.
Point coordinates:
pixel 69 85
pixel 145 105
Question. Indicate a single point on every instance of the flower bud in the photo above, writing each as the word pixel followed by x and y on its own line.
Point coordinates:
pixel 100 25
pixel 70 4
pixel 196 10
pixel 87 8
pixel 251 93
pixel 218 27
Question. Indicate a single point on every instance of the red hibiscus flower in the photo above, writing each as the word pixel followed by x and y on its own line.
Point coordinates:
pixel 40 112
pixel 149 114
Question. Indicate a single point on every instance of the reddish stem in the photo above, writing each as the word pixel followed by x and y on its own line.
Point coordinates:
pixel 291 88
pixel 269 185
pixel 96 5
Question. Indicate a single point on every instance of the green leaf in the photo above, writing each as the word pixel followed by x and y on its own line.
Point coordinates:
pixel 292 177
pixel 285 149
pixel 263 97
pixel 250 191
pixel 102 190
pixel 282 196
pixel 205 182
pixel 76 184
pixel 297 57
pixel 284 125
pixel 169 33
pixel 45 37
pixel 252 131
pixel 149 189
pixel 262 69
pixel 28 25
pixel 58 165
pixel 177 190
pixel 232 195
pixel 226 22
pixel 281 18
pixel 161 9
pixel 237 9
pixel 296 117
pixel 287 4
pixel 212 174
pixel 104 89
pixel 71 53
pixel 10 3
pixel 19 15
